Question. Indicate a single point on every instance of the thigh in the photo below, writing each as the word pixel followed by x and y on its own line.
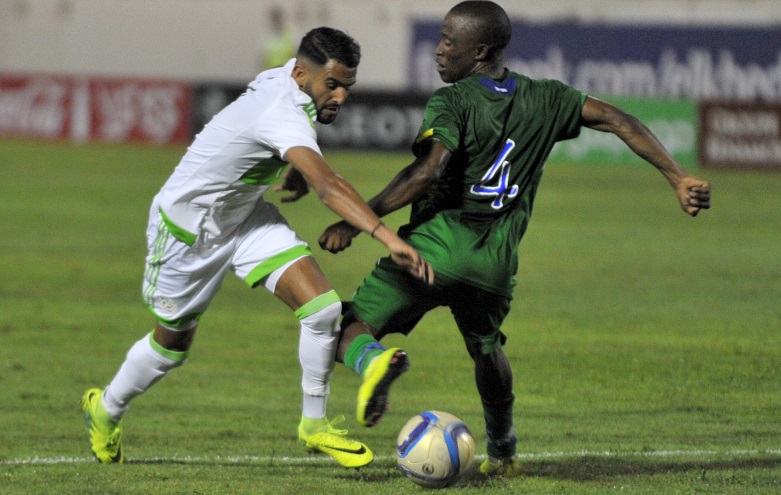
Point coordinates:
pixel 479 315
pixel 301 282
pixel 179 280
pixel 264 244
pixel 392 301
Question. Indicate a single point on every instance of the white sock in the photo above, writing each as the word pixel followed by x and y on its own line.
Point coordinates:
pixel 146 363
pixel 317 350
pixel 315 406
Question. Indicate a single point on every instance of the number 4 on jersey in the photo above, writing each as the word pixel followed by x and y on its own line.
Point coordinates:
pixel 498 175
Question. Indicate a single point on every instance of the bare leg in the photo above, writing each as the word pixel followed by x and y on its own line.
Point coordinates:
pixel 301 282
pixel 179 340
pixel 349 333
pixel 494 376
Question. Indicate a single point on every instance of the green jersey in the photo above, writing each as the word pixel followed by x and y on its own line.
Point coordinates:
pixel 470 222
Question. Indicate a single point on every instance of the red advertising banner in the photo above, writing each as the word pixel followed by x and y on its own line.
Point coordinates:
pixel 34 106
pixel 740 135
pixel 94 109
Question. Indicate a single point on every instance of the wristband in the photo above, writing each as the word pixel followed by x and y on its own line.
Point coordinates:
pixel 374 230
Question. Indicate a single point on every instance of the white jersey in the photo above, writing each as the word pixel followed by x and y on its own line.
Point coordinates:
pixel 237 157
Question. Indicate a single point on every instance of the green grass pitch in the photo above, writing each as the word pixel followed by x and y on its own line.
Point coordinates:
pixel 646 344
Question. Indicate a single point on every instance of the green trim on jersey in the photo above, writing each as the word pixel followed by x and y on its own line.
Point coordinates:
pixel 317 304
pixel 152 271
pixel 311 110
pixel 183 235
pixel 176 356
pixel 264 269
pixel 265 172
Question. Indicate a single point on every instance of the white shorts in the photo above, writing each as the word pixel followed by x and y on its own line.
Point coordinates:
pixel 180 280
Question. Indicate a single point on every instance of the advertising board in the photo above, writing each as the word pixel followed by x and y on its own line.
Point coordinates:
pixel 717 62
pixel 740 135
pixel 100 109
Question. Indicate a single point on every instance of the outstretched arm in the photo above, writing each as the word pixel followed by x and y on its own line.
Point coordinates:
pixel 341 197
pixel 693 193
pixel 408 185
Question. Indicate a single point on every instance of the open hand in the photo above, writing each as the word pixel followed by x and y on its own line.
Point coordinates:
pixel 405 256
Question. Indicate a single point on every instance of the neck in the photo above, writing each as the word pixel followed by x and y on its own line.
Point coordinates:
pixel 493 69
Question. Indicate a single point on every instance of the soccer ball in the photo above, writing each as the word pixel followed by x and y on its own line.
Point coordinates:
pixel 434 449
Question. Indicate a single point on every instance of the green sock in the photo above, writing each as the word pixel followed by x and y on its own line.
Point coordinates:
pixel 362 350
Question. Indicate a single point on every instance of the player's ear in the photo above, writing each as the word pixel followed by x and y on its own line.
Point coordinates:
pixel 300 74
pixel 481 52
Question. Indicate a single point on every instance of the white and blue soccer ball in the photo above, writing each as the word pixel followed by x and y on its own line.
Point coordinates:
pixel 434 449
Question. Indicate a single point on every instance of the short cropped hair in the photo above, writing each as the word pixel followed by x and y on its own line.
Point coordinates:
pixel 323 44
pixel 493 27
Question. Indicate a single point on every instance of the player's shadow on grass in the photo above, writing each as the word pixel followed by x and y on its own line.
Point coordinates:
pixel 580 469
pixel 590 468
pixel 596 468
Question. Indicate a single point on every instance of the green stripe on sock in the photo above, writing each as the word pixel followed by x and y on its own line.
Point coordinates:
pixel 355 352
pixel 317 304
pixel 167 353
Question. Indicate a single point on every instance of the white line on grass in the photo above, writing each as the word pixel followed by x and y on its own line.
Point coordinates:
pixel 281 460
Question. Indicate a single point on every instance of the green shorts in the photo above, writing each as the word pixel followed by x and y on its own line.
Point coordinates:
pixel 392 301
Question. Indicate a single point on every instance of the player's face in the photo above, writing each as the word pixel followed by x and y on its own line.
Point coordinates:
pixel 456 50
pixel 329 87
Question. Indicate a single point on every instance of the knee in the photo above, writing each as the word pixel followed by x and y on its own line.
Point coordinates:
pixel 481 347
pixel 494 363
pixel 175 339
pixel 323 321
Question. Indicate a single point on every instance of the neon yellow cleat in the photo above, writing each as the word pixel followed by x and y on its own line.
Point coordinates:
pixel 327 439
pixel 509 466
pixel 373 394
pixel 105 435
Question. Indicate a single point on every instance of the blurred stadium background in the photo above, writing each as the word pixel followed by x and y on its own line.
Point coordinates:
pixel 704 74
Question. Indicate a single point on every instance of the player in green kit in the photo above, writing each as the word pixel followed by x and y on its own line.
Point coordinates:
pixel 480 155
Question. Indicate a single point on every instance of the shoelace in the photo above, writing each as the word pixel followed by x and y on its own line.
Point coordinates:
pixel 335 431
pixel 113 439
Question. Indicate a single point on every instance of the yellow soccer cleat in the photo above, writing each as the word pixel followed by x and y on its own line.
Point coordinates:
pixel 509 466
pixel 105 435
pixel 373 394
pixel 328 440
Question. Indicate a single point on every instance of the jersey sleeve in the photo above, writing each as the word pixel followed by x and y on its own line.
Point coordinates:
pixel 564 104
pixel 285 126
pixel 440 122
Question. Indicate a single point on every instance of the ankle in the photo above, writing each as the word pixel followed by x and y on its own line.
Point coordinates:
pixel 362 350
pixel 503 448
pixel 110 407
pixel 310 426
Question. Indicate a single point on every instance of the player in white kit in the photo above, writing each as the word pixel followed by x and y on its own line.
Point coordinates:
pixel 210 218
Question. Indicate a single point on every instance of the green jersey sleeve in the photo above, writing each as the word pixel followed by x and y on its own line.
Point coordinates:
pixel 440 122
